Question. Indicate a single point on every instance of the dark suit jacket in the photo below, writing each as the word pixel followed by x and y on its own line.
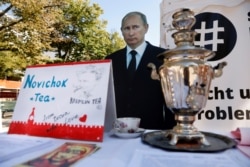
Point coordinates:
pixel 143 98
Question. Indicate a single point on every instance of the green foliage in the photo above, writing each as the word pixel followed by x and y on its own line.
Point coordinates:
pixel 69 28
pixel 81 36
pixel 25 33
pixel 8 62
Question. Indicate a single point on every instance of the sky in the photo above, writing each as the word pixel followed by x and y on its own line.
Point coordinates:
pixel 114 10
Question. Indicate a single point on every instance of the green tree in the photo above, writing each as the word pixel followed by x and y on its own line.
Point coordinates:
pixel 8 60
pixel 81 35
pixel 70 28
pixel 25 27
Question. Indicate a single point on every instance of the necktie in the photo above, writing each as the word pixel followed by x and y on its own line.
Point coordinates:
pixel 132 65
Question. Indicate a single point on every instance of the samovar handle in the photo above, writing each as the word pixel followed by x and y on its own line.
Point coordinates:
pixel 154 74
pixel 218 69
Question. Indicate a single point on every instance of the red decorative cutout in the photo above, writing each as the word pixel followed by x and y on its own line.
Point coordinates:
pixel 66 131
pixel 78 132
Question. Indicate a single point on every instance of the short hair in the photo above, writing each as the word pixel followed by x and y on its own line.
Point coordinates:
pixel 143 17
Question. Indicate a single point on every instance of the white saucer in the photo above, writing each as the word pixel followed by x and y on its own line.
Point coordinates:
pixel 128 135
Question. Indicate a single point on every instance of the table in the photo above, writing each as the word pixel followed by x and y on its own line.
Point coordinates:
pixel 120 152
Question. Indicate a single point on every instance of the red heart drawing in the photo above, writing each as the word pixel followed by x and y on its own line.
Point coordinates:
pixel 83 118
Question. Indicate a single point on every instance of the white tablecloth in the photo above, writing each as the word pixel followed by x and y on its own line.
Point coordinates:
pixel 119 152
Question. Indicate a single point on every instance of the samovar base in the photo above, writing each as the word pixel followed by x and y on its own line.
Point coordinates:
pixel 178 136
pixel 185 130
pixel 217 142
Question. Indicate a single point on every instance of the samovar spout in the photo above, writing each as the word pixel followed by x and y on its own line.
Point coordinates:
pixel 218 69
pixel 154 74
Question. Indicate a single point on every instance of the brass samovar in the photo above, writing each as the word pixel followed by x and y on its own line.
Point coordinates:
pixel 185 78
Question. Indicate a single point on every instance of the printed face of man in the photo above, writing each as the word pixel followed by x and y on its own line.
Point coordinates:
pixel 134 30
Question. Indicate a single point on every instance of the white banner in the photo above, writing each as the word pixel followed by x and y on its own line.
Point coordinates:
pixel 224 27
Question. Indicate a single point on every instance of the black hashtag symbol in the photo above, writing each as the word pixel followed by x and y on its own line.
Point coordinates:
pixel 214 30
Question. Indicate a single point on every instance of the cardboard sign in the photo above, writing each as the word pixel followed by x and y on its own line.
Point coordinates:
pixel 72 101
pixel 223 27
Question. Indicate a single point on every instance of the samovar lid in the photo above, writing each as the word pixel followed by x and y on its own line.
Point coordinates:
pixel 184 37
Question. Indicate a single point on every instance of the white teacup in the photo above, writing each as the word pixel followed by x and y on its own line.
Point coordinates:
pixel 127 124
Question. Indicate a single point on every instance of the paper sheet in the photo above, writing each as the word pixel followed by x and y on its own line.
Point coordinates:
pixel 143 158
pixel 16 145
